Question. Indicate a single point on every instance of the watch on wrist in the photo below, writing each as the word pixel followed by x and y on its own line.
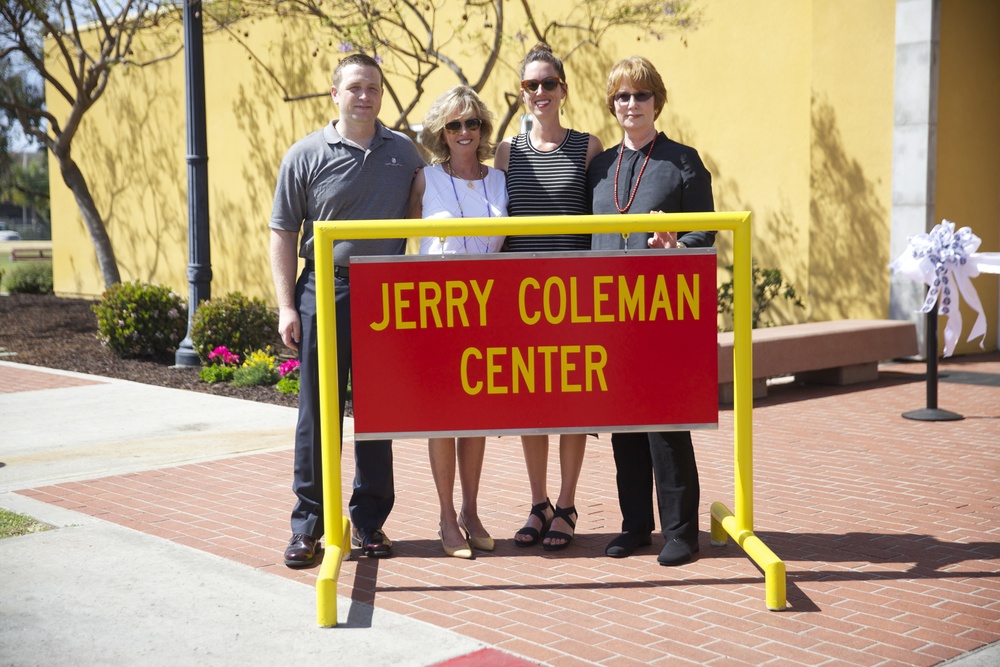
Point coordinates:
pixel 680 244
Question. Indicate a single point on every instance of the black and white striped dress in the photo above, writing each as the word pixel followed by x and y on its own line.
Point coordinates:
pixel 552 183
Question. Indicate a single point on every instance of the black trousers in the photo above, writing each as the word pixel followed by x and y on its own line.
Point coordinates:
pixel 668 458
pixel 374 494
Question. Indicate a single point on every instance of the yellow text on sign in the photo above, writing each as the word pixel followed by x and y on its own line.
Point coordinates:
pixel 560 368
pixel 426 304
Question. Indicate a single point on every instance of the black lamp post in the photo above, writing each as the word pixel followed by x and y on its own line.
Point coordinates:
pixel 199 271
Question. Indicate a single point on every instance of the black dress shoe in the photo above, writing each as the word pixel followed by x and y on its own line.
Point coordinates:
pixel 676 552
pixel 626 543
pixel 373 543
pixel 301 551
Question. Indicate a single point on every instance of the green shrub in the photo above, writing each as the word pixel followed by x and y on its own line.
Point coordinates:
pixel 216 373
pixel 289 382
pixel 288 385
pixel 258 370
pixel 139 319
pixel 768 284
pixel 30 279
pixel 234 321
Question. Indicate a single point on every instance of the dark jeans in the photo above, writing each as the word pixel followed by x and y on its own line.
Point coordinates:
pixel 668 458
pixel 374 494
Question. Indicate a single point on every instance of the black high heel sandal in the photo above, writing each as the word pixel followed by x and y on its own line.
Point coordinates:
pixel 564 514
pixel 536 535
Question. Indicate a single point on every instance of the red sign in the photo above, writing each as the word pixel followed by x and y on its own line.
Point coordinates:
pixel 519 344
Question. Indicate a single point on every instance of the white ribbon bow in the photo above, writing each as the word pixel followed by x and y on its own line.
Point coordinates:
pixel 946 261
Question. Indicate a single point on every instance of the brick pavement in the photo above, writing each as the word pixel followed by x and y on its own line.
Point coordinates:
pixel 19 379
pixel 887 527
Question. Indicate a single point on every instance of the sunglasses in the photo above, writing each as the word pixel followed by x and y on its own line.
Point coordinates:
pixel 550 84
pixel 471 124
pixel 623 98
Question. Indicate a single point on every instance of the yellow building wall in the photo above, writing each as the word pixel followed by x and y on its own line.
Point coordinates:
pixel 967 186
pixel 132 149
pixel 739 93
pixel 791 107
pixel 851 158
pixel 789 104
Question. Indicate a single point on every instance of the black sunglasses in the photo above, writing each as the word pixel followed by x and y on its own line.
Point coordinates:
pixel 550 84
pixel 471 124
pixel 623 98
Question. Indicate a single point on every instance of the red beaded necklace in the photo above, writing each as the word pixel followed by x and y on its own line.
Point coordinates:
pixel 621 150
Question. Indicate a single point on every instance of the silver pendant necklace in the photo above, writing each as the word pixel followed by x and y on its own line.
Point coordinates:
pixel 481 247
pixel 472 186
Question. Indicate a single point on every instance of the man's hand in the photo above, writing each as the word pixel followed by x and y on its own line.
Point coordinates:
pixel 290 327
pixel 283 264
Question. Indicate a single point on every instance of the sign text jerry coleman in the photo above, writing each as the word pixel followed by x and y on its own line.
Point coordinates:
pixel 514 343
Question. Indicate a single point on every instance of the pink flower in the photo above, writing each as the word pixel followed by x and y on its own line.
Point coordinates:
pixel 223 355
pixel 290 366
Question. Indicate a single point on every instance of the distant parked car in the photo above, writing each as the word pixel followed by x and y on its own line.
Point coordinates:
pixel 9 236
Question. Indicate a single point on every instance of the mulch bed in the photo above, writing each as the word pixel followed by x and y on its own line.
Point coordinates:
pixel 61 333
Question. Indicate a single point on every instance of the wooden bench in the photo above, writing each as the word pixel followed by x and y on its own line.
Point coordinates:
pixel 838 352
pixel 30 254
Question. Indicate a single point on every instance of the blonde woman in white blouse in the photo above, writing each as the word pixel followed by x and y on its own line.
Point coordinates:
pixel 456 132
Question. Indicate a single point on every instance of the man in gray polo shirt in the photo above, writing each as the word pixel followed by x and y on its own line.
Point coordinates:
pixel 353 169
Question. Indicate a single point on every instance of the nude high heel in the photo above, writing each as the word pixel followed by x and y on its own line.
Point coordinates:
pixel 482 543
pixel 462 551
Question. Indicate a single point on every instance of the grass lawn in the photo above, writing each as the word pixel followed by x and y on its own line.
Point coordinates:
pixel 13 524
pixel 7 267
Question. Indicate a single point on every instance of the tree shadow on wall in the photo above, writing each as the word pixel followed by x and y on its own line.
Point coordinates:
pixel 267 126
pixel 849 230
pixel 774 237
pixel 135 167
pixel 589 67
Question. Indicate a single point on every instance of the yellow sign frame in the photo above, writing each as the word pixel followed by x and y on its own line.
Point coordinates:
pixel 738 524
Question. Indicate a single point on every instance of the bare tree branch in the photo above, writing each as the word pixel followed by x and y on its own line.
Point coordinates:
pixel 406 35
pixel 76 71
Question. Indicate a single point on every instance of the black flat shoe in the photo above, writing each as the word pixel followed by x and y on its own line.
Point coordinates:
pixel 626 543
pixel 534 534
pixel 300 552
pixel 564 514
pixel 676 552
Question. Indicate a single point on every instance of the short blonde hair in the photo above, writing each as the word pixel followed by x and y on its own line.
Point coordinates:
pixel 640 73
pixel 460 100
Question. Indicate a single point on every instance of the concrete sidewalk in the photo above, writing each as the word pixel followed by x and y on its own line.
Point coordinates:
pixel 887 526
pixel 94 593
pixel 91 592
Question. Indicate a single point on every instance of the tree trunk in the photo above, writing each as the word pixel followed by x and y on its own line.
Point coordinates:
pixel 512 108
pixel 77 184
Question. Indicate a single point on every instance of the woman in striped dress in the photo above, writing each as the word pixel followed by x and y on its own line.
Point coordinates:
pixel 547 175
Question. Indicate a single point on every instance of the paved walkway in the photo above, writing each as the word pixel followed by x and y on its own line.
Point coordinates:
pixel 171 513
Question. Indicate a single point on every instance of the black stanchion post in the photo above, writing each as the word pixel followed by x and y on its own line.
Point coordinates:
pixel 932 413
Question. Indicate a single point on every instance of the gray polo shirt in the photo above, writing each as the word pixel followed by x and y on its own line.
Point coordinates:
pixel 323 177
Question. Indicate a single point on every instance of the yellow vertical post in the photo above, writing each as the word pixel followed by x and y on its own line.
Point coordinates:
pixel 743 374
pixel 336 526
pixel 740 525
